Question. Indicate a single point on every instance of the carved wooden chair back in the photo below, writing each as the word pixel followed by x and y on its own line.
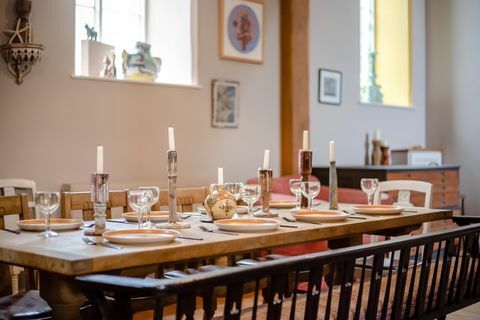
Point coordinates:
pixel 13 205
pixel 187 198
pixel 72 201
pixel 447 279
pixel 10 187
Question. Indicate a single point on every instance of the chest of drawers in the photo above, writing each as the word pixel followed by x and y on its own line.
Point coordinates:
pixel 445 180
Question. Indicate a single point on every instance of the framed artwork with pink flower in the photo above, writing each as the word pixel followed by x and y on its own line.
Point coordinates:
pixel 241 30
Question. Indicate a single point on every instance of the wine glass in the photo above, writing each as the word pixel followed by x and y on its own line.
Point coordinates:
pixel 140 200
pixel 47 203
pixel 296 189
pixel 369 186
pixel 235 188
pixel 155 196
pixel 250 193
pixel 310 190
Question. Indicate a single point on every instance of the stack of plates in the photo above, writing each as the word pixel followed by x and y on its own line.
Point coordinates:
pixel 141 236
pixel 155 216
pixel 55 224
pixel 378 209
pixel 247 225
pixel 320 216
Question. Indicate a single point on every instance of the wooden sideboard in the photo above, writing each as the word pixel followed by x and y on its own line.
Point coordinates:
pixel 445 180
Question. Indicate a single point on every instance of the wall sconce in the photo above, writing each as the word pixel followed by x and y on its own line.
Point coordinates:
pixel 20 53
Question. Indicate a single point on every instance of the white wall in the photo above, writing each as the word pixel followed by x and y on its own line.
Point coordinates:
pixel 334 44
pixel 50 125
pixel 453 68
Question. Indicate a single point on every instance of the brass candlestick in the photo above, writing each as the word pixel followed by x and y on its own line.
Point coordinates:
pixel 333 187
pixel 265 181
pixel 305 170
pixel 99 195
pixel 173 221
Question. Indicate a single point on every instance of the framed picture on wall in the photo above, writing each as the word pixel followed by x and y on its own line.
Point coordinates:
pixel 329 86
pixel 241 30
pixel 225 107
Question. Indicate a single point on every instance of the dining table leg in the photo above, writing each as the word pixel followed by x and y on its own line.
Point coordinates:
pixel 62 295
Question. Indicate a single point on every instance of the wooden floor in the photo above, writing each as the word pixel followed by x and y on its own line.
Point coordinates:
pixel 472 312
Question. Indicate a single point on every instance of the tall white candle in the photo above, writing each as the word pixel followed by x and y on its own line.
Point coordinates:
pixel 332 151
pixel 220 176
pixel 376 134
pixel 99 159
pixel 266 159
pixel 171 139
pixel 305 140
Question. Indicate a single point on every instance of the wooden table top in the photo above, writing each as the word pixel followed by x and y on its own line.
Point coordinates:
pixel 67 254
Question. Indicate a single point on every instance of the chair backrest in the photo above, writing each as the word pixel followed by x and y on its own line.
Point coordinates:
pixel 13 205
pixel 448 278
pixel 72 201
pixel 404 188
pixel 10 187
pixel 187 198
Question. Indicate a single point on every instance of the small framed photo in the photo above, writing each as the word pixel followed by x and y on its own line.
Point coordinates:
pixel 241 30
pixel 329 86
pixel 225 108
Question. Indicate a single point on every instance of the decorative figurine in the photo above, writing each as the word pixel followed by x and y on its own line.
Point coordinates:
pixel 109 70
pixel 91 33
pixel 141 65
pixel 385 153
pixel 376 152
pixel 367 150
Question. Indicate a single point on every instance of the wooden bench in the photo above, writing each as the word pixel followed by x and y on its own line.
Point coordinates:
pixel 447 279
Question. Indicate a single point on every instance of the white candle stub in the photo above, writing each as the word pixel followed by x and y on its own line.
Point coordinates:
pixel 171 139
pixel 266 159
pixel 220 176
pixel 99 159
pixel 376 134
pixel 332 151
pixel 305 140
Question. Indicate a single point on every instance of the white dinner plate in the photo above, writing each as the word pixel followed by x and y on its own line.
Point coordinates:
pixel 383 209
pixel 320 216
pixel 140 236
pixel 240 210
pixel 247 225
pixel 55 224
pixel 155 216
pixel 282 204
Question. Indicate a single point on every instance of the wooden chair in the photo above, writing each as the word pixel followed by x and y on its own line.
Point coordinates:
pixel 404 188
pixel 10 187
pixel 187 198
pixel 27 304
pixel 447 280
pixel 70 201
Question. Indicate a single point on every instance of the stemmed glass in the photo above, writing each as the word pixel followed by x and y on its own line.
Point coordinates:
pixel 369 186
pixel 250 193
pixel 47 203
pixel 155 196
pixel 310 190
pixel 235 188
pixel 296 189
pixel 140 201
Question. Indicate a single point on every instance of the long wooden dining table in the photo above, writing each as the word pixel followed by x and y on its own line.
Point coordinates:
pixel 62 258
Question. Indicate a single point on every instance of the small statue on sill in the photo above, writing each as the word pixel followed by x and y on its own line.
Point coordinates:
pixel 91 33
pixel 109 70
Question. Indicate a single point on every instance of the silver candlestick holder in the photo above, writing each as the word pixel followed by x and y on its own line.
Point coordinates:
pixel 99 195
pixel 265 177
pixel 305 170
pixel 173 221
pixel 333 187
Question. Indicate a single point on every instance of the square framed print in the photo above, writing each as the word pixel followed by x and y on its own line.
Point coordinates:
pixel 241 30
pixel 329 86
pixel 225 106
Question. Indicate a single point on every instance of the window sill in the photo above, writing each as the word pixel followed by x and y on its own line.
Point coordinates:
pixel 168 85
pixel 381 105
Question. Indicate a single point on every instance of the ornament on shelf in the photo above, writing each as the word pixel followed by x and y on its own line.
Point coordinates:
pixel 91 33
pixel 20 53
